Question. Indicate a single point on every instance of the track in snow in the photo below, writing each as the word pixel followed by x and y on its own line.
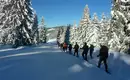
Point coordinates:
pixel 46 62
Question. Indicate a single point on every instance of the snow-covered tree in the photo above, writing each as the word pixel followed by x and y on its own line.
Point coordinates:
pixel 83 26
pixel 67 34
pixel 42 21
pixel 93 31
pixel 35 30
pixel 58 34
pixel 43 31
pixel 86 16
pixel 61 37
pixel 42 34
pixel 17 22
pixel 95 19
pixel 104 30
pixel 120 25
pixel 73 34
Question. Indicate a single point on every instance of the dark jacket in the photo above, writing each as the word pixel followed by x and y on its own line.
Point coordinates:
pixel 85 48
pixel 76 47
pixel 70 46
pixel 91 48
pixel 103 52
pixel 129 51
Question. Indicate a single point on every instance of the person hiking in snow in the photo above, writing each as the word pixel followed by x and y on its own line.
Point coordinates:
pixel 64 47
pixel 103 55
pixel 70 48
pixel 85 51
pixel 91 50
pixel 61 46
pixel 76 48
pixel 128 49
pixel 58 43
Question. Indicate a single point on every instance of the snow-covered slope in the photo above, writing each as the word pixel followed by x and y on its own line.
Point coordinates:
pixel 52 33
pixel 118 64
pixel 47 62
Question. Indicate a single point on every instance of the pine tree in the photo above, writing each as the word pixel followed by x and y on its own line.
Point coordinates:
pixel 60 32
pixel 35 30
pixel 93 32
pixel 83 26
pixel 63 33
pixel 120 25
pixel 73 34
pixel 86 16
pixel 95 19
pixel 104 30
pixel 43 32
pixel 45 35
pixel 67 35
pixel 17 22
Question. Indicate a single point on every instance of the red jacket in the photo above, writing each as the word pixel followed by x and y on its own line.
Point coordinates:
pixel 65 45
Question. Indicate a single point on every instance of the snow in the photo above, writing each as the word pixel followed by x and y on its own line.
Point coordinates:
pixel 48 34
pixel 52 29
pixel 125 1
pixel 48 62
pixel 128 26
pixel 121 14
pixel 52 40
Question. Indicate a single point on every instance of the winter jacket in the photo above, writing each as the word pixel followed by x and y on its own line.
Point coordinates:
pixel 76 47
pixel 85 48
pixel 91 48
pixel 65 45
pixel 103 52
pixel 70 47
pixel 129 51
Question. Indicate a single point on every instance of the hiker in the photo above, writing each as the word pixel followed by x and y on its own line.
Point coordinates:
pixel 76 47
pixel 91 50
pixel 58 43
pixel 70 48
pixel 65 47
pixel 129 49
pixel 103 55
pixel 16 43
pixel 61 46
pixel 85 51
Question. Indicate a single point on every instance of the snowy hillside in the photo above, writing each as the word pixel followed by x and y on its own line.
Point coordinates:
pixel 47 62
pixel 52 33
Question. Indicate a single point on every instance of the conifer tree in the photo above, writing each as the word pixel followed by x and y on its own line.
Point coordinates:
pixel 120 28
pixel 43 32
pixel 17 22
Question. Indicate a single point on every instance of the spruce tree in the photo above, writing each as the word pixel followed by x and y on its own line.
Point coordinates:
pixel 17 22
pixel 93 32
pixel 67 35
pixel 83 26
pixel 120 28
pixel 104 30
pixel 43 32
pixel 73 34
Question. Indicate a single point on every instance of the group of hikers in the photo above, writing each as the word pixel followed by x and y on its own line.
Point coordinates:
pixel 103 52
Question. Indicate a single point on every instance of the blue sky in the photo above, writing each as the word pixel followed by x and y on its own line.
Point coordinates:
pixel 62 12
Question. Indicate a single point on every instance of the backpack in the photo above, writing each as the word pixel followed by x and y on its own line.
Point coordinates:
pixel 70 46
pixel 104 52
pixel 85 48
pixel 76 47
